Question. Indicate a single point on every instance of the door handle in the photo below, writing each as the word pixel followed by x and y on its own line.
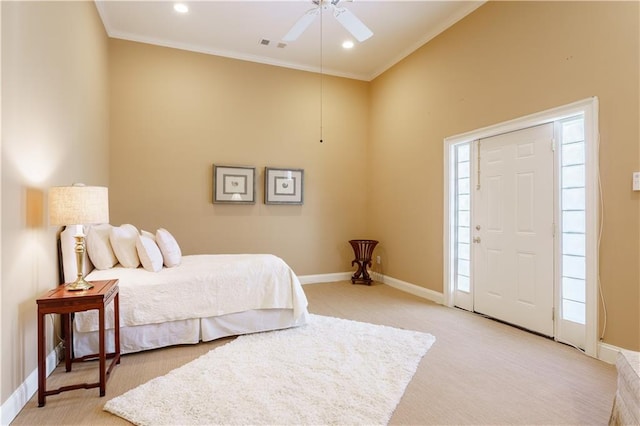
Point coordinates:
pixel 476 240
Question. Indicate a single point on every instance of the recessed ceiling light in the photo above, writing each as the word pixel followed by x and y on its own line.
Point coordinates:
pixel 347 44
pixel 180 8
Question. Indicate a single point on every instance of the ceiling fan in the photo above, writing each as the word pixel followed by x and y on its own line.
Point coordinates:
pixel 344 16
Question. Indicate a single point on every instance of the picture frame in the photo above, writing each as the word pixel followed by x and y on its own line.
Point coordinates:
pixel 234 184
pixel 283 186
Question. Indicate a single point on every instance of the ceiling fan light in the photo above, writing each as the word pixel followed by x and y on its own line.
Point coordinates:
pixel 180 7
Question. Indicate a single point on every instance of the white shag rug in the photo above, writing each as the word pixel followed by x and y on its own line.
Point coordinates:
pixel 329 371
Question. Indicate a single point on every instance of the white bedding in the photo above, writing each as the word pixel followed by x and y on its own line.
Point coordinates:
pixel 201 286
pixel 626 405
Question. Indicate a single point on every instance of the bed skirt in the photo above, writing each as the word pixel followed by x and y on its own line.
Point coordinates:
pixel 153 336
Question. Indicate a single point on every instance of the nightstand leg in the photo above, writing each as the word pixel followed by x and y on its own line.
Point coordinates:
pixel 42 380
pixel 102 354
pixel 68 341
pixel 116 319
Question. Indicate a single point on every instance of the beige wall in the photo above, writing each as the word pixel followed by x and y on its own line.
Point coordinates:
pixel 507 60
pixel 377 175
pixel 54 132
pixel 176 113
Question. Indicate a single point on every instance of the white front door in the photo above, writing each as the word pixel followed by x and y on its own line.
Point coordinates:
pixel 513 234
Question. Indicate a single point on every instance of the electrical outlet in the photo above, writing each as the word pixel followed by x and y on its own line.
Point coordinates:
pixel 378 260
pixel 60 351
pixel 636 181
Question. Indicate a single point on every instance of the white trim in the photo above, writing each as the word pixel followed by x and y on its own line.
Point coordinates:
pixel 123 35
pixel 448 286
pixel 324 278
pixel 592 167
pixel 527 121
pixel 27 389
pixel 607 353
pixel 589 107
pixel 558 323
pixel 425 293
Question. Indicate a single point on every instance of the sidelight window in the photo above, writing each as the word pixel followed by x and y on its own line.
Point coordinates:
pixel 573 223
pixel 462 217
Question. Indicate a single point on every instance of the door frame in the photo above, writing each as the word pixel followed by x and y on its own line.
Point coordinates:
pixel 588 107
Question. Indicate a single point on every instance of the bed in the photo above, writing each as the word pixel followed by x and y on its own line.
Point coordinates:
pixel 198 298
pixel 626 404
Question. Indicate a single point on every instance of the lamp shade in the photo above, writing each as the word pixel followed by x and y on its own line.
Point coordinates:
pixel 78 205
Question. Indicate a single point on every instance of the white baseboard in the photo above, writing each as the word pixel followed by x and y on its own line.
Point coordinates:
pixel 28 388
pixel 607 353
pixel 425 293
pixel 324 278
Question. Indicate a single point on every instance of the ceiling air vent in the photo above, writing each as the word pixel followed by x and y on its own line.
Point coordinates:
pixel 267 42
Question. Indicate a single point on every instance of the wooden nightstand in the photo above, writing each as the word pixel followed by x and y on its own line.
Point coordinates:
pixel 65 302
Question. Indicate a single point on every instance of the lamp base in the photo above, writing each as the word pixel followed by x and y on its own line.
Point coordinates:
pixel 79 285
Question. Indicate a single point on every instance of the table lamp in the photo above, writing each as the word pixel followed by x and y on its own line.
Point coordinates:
pixel 78 205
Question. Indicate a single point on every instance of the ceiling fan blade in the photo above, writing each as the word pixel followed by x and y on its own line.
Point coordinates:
pixel 352 23
pixel 302 24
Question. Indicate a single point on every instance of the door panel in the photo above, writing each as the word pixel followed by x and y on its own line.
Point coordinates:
pixel 514 246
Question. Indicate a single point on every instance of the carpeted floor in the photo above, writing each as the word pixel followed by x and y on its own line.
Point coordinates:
pixel 479 372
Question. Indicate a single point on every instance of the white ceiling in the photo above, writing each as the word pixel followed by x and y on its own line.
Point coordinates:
pixel 235 28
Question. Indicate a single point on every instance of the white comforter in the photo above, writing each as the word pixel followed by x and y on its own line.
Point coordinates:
pixel 201 286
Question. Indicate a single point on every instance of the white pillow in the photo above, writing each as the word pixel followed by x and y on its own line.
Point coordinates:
pixel 123 240
pixel 148 234
pixel 149 253
pixel 169 247
pixel 99 246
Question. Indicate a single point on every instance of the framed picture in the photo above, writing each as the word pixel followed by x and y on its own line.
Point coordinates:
pixel 283 186
pixel 234 184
